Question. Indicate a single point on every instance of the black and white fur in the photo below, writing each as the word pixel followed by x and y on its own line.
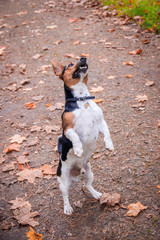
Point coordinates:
pixel 78 141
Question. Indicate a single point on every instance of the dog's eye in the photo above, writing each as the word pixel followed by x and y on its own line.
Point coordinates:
pixel 70 65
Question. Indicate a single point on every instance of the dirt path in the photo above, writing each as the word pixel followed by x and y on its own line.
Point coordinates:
pixel 132 170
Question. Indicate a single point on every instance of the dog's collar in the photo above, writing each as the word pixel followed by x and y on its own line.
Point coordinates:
pixel 75 99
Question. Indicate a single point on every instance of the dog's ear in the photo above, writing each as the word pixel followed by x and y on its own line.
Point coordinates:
pixel 57 68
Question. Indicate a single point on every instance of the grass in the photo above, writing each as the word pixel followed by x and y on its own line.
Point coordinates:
pixel 148 10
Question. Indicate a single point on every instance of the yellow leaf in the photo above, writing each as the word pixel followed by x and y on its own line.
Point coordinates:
pixel 134 209
pixel 158 186
pixel 32 235
pixel 98 100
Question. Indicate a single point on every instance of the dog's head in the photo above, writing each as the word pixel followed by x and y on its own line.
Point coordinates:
pixel 73 73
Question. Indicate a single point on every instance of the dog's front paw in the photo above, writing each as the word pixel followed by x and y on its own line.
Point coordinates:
pixel 97 195
pixel 109 146
pixel 68 210
pixel 78 151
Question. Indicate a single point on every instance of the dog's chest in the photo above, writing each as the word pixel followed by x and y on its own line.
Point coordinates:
pixel 86 124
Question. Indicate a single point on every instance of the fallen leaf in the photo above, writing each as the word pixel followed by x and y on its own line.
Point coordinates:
pixel 40 11
pixel 17 139
pixel 23 159
pixel 128 63
pixel 129 76
pixel 50 128
pixel 110 199
pixel 100 100
pixel 30 175
pixel 48 105
pixel 24 82
pixel 13 147
pixel 30 105
pixel 158 125
pixel 76 42
pixel 22 212
pixel 21 13
pixel 96 89
pixel 32 235
pixel 22 167
pixel 33 142
pixel 9 167
pixel 70 55
pixel 57 106
pixel 98 155
pixel 22 69
pixel 51 27
pixel 135 52
pixel 2 160
pixel 146 41
pixel 48 169
pixel 134 209
pixel 38 98
pixel 35 129
pixel 84 55
pixel 2 49
pixel 141 98
pixel 72 20
pixel 149 83
pixel 37 56
pixel 78 204
pixel 58 42
pixel 111 77
pixel 111 30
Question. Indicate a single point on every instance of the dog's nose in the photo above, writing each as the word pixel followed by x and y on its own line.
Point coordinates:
pixel 83 59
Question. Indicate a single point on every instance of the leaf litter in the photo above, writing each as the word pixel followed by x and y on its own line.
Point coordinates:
pixel 22 212
pixel 32 235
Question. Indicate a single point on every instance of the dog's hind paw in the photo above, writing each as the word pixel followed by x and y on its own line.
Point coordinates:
pixel 68 210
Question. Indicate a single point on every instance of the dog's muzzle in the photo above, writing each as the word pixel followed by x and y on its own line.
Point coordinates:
pixel 82 67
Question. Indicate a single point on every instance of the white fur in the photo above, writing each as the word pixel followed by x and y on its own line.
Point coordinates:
pixel 88 123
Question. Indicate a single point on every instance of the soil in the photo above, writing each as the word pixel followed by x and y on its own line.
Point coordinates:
pixel 132 170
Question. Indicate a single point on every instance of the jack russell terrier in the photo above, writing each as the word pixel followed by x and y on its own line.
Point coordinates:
pixel 82 121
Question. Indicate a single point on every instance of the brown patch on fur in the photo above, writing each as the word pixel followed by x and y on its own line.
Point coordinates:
pixel 67 121
pixel 75 171
pixel 68 80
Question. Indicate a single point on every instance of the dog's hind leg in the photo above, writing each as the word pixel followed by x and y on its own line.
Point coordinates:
pixel 88 178
pixel 64 183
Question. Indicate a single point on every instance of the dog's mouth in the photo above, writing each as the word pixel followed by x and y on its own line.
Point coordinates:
pixel 82 68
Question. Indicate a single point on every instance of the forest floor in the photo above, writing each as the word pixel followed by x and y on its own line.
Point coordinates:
pixel 124 62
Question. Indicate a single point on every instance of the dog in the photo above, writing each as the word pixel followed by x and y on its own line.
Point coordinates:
pixel 82 121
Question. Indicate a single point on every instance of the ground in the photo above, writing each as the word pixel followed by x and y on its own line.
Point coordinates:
pixel 132 170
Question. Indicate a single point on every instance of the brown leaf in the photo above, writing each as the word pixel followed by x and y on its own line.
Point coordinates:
pixel 23 159
pixel 135 52
pixel 37 56
pixel 100 100
pixel 98 155
pixel 23 212
pixel 35 129
pixel 29 174
pixel 21 13
pixel 84 55
pixel 149 83
pixel 48 169
pixel 76 42
pixel 50 128
pixel 129 76
pixel 96 89
pixel 70 55
pixel 141 98
pixel 57 106
pixel 12 147
pixel 128 63
pixel 30 105
pixel 51 27
pixel 2 49
pixel 38 98
pixel 110 199
pixel 146 41
pixel 9 167
pixel 17 139
pixel 32 235
pixel 72 20
pixel 158 125
pixel 22 167
pixel 58 42
pixel 134 209
pixel 111 30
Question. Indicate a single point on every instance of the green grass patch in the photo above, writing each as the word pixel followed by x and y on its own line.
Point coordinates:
pixel 148 10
